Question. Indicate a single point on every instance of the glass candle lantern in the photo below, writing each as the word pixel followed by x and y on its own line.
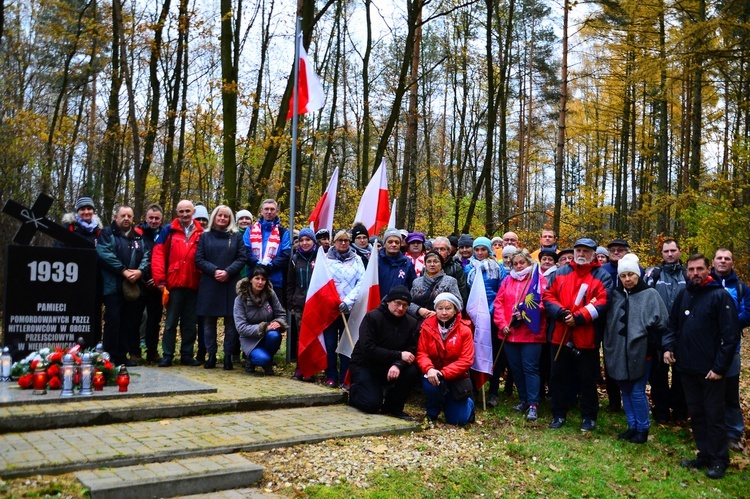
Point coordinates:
pixel 87 371
pixel 39 380
pixel 68 373
pixel 6 361
pixel 123 379
pixel 98 381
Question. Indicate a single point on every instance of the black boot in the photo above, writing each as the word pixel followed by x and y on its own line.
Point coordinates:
pixel 201 357
pixel 640 437
pixel 211 362
pixel 228 366
pixel 627 435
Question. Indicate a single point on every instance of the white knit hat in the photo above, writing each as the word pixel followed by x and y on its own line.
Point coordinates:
pixel 449 297
pixel 628 263
pixel 509 250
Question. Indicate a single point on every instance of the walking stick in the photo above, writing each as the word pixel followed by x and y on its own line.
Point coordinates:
pixel 576 305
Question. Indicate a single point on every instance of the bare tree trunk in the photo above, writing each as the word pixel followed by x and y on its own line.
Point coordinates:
pixel 229 72
pixel 112 134
pixel 560 151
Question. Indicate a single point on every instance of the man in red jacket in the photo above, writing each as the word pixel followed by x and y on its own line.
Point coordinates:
pixel 576 300
pixel 173 267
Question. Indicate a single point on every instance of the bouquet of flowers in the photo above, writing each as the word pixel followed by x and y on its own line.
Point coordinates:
pixel 51 360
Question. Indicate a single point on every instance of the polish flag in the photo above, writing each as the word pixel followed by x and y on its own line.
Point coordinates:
pixel 392 219
pixel 310 94
pixel 322 215
pixel 368 299
pixel 321 309
pixel 479 313
pixel 373 207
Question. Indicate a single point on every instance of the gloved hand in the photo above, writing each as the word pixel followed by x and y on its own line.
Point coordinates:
pixel 344 308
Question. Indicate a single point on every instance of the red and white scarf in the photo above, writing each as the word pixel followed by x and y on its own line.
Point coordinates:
pixel 417 262
pixel 272 244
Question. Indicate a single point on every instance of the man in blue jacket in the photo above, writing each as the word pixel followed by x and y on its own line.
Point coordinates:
pixel 700 342
pixel 268 244
pixel 393 267
pixel 723 273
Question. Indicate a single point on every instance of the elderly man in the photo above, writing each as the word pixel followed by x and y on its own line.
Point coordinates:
pixel 393 267
pixel 383 359
pixel 123 257
pixel 175 249
pixel 510 239
pixel 576 299
pixel 723 273
pixel 269 244
pixel 701 342
pixel 452 267
pixel 668 279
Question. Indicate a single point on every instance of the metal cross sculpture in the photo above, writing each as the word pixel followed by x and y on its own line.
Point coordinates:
pixel 33 219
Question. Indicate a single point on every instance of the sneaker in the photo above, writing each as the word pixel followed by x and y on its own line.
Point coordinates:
pixel 557 423
pixel 521 407
pixel 735 445
pixel 532 416
pixel 716 471
pixel 492 401
pixel 694 464
pixel 331 383
pixel 345 387
pixel 588 425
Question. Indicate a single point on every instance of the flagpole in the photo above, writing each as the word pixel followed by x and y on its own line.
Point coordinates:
pixel 293 180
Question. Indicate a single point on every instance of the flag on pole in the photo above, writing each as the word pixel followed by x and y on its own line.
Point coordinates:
pixel 321 309
pixel 322 215
pixel 310 94
pixel 373 207
pixel 392 220
pixel 531 314
pixel 479 313
pixel 368 299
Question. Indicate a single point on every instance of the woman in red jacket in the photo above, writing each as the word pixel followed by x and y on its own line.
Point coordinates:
pixel 445 353
pixel 523 346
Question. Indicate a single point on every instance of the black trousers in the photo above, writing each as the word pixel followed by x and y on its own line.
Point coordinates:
pixel 706 403
pixel 122 321
pixel 154 310
pixel 368 385
pixel 663 397
pixel 570 368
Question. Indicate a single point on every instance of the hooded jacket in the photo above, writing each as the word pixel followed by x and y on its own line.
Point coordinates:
pixel 560 296
pixel 253 313
pixel 382 338
pixel 512 291
pixel 117 252
pixel 298 278
pixel 278 266
pixel 454 356
pixel 173 262
pixel 703 329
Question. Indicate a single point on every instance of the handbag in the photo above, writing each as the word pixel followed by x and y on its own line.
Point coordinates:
pixel 131 290
pixel 460 389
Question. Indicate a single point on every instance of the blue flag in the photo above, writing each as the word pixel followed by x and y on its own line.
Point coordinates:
pixel 531 314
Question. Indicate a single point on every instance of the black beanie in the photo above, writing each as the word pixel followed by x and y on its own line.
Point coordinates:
pixel 399 292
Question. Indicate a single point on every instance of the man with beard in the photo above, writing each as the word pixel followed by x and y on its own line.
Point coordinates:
pixel 700 342
pixel 576 300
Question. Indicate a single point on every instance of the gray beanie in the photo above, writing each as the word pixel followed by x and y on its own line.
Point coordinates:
pixel 448 297
pixel 244 213
pixel 466 240
pixel 392 233
pixel 83 202
pixel 200 212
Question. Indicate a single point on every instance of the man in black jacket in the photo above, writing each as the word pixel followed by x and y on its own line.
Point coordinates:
pixel 150 228
pixel 701 340
pixel 384 357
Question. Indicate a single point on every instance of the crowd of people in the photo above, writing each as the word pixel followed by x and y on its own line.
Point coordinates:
pixel 675 327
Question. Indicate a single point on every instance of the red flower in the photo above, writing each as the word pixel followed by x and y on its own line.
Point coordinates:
pixel 77 359
pixel 55 357
pixel 108 365
pixel 33 364
pixel 54 383
pixel 76 379
pixel 25 381
pixel 53 371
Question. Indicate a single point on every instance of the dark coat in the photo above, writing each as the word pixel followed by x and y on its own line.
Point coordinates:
pixel 298 279
pixel 149 239
pixel 118 252
pixel 393 271
pixel 252 314
pixel 703 329
pixel 219 250
pixel 382 338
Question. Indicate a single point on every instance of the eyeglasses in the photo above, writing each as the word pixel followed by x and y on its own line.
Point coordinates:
pixel 347 241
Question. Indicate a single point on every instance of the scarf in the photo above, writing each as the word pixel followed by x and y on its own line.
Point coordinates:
pixel 272 244
pixel 444 327
pixel 418 263
pixel 87 226
pixel 486 268
pixel 342 257
pixel 520 276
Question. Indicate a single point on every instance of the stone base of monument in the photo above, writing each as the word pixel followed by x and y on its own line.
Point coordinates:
pixel 199 475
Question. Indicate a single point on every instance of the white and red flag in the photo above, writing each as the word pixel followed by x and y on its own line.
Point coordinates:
pixel 392 219
pixel 321 309
pixel 322 215
pixel 310 94
pixel 479 312
pixel 368 299
pixel 373 209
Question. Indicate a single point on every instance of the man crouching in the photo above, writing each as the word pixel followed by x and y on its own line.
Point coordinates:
pixel 383 359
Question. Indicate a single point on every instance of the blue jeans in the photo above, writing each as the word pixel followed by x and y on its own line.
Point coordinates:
pixel 523 359
pixel 263 353
pixel 331 337
pixel 634 401
pixel 457 412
